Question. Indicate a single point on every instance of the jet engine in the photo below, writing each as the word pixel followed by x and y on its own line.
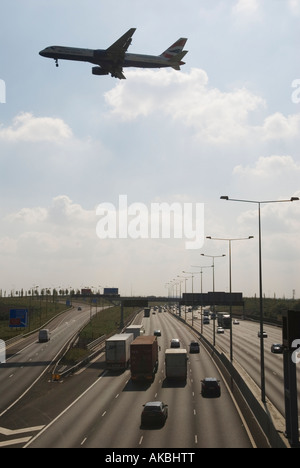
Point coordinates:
pixel 99 71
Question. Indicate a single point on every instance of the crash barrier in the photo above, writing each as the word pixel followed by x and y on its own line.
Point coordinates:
pixel 269 419
pixel 95 343
pixel 60 373
pixel 269 424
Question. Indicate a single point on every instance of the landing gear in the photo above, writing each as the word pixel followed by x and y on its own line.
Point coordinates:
pixel 56 62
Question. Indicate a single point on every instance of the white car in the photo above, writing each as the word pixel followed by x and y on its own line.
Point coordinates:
pixel 220 330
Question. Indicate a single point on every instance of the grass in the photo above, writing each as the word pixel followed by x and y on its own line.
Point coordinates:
pixel 40 312
pixel 106 322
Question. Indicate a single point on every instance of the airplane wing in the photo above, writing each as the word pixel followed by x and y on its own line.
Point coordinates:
pixel 118 49
pixel 115 55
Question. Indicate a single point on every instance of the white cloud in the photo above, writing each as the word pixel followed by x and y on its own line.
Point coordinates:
pixel 277 126
pixel 294 6
pixel 29 215
pixel 64 211
pixel 61 226
pixel 247 10
pixel 28 128
pixel 270 167
pixel 215 116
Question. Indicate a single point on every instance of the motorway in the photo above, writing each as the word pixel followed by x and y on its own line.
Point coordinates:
pixel 106 412
pixel 29 360
pixel 246 351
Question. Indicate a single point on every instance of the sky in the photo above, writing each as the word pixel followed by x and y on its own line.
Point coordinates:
pixel 82 154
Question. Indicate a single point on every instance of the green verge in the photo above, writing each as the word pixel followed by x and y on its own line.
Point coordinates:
pixel 106 322
pixel 40 311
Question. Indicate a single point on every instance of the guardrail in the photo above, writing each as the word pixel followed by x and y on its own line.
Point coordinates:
pixel 95 343
pixel 267 420
pixel 98 345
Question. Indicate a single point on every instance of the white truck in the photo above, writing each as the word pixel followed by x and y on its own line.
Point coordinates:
pixel 117 351
pixel 176 364
pixel 136 330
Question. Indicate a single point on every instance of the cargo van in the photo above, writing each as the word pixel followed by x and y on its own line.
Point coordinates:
pixel 44 336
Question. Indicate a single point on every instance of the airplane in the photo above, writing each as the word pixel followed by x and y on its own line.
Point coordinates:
pixel 112 60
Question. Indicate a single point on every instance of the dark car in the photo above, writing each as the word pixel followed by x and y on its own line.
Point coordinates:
pixel 211 387
pixel 154 413
pixel 277 348
pixel 175 343
pixel 157 333
pixel 194 347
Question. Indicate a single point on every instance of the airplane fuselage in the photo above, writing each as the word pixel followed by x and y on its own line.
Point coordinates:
pixel 100 56
pixel 114 58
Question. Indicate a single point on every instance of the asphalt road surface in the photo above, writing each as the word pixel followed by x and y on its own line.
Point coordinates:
pixel 246 351
pixel 107 413
pixel 30 359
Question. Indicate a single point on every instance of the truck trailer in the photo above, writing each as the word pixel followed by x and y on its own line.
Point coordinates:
pixel 144 358
pixel 117 351
pixel 224 320
pixel 136 330
pixel 176 364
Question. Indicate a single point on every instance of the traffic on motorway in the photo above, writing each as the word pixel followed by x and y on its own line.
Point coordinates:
pixel 246 351
pixel 172 396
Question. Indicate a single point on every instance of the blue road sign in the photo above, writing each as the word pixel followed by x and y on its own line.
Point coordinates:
pixel 18 318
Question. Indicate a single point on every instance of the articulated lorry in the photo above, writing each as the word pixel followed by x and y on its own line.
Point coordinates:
pixel 176 364
pixel 117 351
pixel 144 358
pixel 136 330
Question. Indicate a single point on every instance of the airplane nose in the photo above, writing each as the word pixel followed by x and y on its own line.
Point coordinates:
pixel 42 53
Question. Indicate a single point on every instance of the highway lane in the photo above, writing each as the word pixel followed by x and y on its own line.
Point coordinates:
pixel 107 415
pixel 25 367
pixel 246 351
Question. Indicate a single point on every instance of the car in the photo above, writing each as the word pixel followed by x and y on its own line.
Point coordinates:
pixel 211 387
pixel 236 322
pixel 220 330
pixel 194 347
pixel 155 413
pixel 264 334
pixel 79 308
pixel 277 348
pixel 175 343
pixel 157 333
pixel 44 335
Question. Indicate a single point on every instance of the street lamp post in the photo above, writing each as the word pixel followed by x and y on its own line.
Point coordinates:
pixel 193 274
pixel 214 307
pixel 230 281
pixel 261 313
pixel 201 273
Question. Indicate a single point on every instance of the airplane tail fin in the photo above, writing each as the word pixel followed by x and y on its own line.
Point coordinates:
pixel 175 53
pixel 175 50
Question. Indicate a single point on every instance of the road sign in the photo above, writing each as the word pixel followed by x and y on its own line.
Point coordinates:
pixel 18 318
pixel 135 303
pixel 212 298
